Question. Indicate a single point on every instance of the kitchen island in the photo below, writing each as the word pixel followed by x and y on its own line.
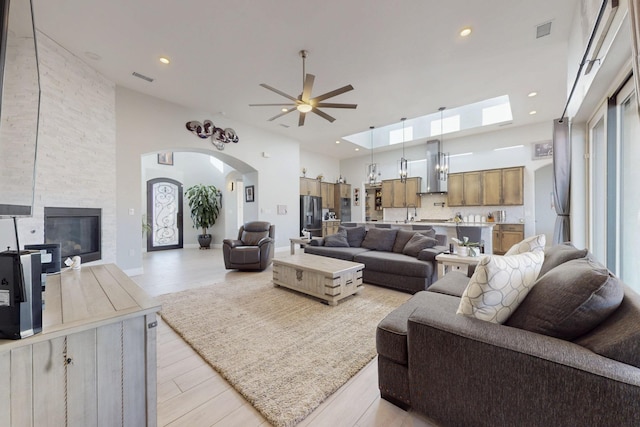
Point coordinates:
pixel 447 228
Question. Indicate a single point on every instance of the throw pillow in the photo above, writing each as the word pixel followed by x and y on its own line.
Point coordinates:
pixel 530 244
pixel 338 240
pixel 380 239
pixel 402 238
pixel 569 301
pixel 499 284
pixel 355 235
pixel 559 254
pixel 417 243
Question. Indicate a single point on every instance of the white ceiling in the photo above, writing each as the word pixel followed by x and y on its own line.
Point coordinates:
pixel 404 59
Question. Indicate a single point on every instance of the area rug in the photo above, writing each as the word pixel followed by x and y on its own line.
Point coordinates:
pixel 283 351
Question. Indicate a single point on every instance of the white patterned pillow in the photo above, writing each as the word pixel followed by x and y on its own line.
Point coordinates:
pixel 499 284
pixel 530 244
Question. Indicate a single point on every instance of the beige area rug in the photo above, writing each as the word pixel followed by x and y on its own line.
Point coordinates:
pixel 283 351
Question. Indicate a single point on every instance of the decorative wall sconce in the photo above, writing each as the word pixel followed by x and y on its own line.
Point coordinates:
pixel 218 136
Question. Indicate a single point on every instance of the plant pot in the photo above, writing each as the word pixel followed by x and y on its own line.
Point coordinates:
pixel 463 251
pixel 205 241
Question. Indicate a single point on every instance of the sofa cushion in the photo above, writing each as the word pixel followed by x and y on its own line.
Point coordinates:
pixel 337 240
pixel 569 300
pixel 417 243
pixel 530 244
pixel 392 263
pixel 559 254
pixel 391 333
pixel 251 238
pixel 453 283
pixel 618 337
pixel 355 235
pixel 340 253
pixel 499 284
pixel 380 239
pixel 402 238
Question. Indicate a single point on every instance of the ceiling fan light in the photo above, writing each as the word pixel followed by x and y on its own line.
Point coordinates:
pixel 304 108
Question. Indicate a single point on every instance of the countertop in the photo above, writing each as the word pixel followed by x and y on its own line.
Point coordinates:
pixel 434 224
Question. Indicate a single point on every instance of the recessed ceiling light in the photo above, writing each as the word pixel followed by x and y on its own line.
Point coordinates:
pixel 465 31
pixel 532 94
pixel 284 110
pixel 337 142
pixel 533 112
pixel 164 60
pixel 357 149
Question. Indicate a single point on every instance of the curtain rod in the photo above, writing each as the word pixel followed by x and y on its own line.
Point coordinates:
pixel 584 57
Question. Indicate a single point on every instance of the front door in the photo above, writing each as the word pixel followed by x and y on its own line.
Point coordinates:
pixel 164 214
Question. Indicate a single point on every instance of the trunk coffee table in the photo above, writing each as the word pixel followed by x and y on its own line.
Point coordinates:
pixel 326 278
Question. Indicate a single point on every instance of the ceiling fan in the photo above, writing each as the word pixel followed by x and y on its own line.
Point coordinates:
pixel 305 103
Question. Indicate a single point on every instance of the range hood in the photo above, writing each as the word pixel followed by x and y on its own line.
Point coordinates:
pixel 432 184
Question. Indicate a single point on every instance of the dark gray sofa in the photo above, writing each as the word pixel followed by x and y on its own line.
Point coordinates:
pixel 384 257
pixel 461 371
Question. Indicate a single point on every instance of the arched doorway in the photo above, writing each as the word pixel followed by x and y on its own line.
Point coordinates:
pixel 164 214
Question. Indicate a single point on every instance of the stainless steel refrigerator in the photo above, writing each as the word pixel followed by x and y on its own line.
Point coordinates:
pixel 311 214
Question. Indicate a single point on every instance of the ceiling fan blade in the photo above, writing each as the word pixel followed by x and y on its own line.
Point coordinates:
pixel 279 92
pixel 332 105
pixel 331 94
pixel 301 119
pixel 323 115
pixel 281 114
pixel 306 88
pixel 273 105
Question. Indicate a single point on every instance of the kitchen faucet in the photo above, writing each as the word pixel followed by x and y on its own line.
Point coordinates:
pixel 415 213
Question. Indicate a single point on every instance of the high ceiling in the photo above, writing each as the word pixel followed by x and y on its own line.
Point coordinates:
pixel 404 59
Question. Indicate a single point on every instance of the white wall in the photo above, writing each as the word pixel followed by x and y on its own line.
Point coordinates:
pixel 148 125
pixel 319 164
pixel 484 157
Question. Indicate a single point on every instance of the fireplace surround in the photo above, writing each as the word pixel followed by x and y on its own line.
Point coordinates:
pixel 78 230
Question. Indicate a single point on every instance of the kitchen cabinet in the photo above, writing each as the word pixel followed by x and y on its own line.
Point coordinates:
pixel 96 365
pixel 465 189
pixel 343 190
pixel 502 187
pixel 330 227
pixel 505 236
pixel 309 187
pixel 327 191
pixel 398 194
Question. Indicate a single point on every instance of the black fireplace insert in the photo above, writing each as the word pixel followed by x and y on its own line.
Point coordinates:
pixel 78 230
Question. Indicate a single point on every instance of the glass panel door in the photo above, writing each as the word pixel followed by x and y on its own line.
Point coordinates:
pixel 598 185
pixel 164 213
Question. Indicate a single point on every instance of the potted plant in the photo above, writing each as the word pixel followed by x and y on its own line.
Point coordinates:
pixel 205 202
pixel 466 248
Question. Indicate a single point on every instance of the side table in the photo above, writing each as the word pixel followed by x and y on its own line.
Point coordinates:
pixel 298 241
pixel 449 262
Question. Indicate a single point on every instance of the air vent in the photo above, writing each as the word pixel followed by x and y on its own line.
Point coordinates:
pixel 543 30
pixel 143 77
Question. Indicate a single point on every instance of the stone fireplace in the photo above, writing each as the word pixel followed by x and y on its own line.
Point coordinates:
pixel 78 230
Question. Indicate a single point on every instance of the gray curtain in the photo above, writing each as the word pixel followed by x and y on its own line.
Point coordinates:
pixel 634 19
pixel 562 180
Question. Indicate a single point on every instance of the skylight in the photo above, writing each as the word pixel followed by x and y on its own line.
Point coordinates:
pixel 484 113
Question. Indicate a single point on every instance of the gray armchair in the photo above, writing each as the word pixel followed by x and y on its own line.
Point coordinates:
pixel 253 249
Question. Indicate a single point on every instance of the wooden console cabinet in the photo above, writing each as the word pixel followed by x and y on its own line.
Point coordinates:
pixel 505 236
pixel 95 361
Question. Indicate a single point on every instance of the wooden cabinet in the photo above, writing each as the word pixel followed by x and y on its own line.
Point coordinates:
pixel 505 236
pixel 502 187
pixel 343 191
pixel 398 194
pixel 309 187
pixel 327 191
pixel 494 187
pixel 465 189
pixel 96 365
pixel 330 227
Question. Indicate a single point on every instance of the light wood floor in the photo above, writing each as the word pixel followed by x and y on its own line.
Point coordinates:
pixel 191 393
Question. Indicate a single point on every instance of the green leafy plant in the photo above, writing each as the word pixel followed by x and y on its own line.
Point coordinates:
pixel 146 227
pixel 205 202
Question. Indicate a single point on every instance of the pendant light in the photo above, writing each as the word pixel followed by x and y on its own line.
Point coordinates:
pixel 373 167
pixel 403 160
pixel 442 166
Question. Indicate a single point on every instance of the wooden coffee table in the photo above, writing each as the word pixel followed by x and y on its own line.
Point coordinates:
pixel 329 279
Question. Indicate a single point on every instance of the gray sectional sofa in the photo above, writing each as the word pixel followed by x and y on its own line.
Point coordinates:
pixel 569 355
pixel 398 259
